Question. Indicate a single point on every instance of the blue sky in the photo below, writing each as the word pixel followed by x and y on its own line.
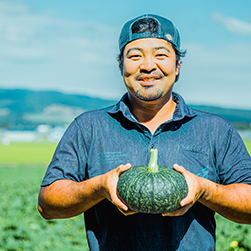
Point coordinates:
pixel 71 46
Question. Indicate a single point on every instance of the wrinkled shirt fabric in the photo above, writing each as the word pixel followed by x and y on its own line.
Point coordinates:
pixel 101 140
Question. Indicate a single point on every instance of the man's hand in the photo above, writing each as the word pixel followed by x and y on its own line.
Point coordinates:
pixel 232 201
pixel 109 190
pixel 195 191
pixel 67 198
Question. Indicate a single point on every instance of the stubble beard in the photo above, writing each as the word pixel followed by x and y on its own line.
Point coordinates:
pixel 148 93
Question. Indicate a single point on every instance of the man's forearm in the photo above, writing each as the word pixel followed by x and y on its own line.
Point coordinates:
pixel 231 201
pixel 66 198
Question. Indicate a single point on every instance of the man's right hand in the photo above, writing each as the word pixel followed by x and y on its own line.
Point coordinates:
pixel 66 198
pixel 109 191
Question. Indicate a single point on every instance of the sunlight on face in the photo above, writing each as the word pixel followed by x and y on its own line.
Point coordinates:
pixel 149 68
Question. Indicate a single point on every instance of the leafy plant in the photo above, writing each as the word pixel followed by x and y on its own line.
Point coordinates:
pixel 21 226
pixel 23 229
pixel 231 236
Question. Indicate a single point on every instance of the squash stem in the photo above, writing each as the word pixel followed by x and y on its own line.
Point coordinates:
pixel 153 166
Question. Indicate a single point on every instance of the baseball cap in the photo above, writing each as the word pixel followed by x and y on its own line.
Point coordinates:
pixel 166 30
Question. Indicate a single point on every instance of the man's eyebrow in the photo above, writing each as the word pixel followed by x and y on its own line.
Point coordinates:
pixel 134 49
pixel 161 48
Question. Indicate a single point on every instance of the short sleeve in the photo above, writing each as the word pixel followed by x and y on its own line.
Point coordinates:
pixel 69 159
pixel 233 159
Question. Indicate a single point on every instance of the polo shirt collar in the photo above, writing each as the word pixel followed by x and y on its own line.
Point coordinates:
pixel 181 110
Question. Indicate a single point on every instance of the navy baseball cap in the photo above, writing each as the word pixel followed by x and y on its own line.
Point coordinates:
pixel 166 30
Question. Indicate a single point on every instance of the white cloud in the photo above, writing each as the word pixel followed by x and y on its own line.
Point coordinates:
pixel 47 52
pixel 217 75
pixel 20 27
pixel 10 8
pixel 233 25
pixel 42 51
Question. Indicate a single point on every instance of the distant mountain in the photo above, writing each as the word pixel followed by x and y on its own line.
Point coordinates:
pixel 240 118
pixel 27 109
pixel 35 101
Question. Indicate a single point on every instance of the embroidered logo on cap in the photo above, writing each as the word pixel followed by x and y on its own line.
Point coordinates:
pixel 169 37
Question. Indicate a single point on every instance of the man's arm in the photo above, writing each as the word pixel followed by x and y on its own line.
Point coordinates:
pixel 66 198
pixel 231 201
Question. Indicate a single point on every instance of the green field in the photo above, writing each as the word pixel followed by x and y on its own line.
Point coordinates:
pixel 248 145
pixel 26 154
pixel 22 167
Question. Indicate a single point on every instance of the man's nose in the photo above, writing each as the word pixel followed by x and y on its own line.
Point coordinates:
pixel 148 64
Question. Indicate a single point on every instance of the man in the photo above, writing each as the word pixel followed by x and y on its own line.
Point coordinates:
pixel 89 159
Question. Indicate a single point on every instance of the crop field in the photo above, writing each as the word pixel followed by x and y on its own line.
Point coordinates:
pixel 26 154
pixel 22 167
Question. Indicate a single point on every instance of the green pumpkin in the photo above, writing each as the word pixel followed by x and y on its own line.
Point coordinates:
pixel 152 189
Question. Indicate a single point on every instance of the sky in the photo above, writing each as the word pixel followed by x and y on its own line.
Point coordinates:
pixel 72 46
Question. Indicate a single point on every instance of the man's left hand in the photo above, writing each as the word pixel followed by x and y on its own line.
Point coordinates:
pixel 195 191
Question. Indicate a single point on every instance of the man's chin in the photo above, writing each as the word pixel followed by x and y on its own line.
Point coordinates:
pixel 149 97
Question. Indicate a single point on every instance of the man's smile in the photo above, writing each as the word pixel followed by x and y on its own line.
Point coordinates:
pixel 149 68
pixel 147 79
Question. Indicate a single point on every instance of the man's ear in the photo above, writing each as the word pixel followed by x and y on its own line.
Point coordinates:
pixel 121 70
pixel 178 66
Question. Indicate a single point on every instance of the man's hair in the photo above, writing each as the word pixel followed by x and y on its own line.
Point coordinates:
pixel 150 25
pixel 145 24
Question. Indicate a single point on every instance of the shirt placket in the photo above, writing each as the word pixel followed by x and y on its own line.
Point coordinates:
pixel 151 139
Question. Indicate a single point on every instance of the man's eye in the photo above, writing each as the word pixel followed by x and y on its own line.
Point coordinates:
pixel 134 56
pixel 161 56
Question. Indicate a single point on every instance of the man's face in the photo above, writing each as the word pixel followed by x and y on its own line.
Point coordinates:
pixel 149 69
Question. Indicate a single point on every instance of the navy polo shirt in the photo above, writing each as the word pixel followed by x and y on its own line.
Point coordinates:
pixel 101 140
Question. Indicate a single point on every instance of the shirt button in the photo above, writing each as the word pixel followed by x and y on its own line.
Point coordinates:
pixel 143 129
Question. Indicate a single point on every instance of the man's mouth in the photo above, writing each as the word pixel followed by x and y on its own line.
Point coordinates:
pixel 149 80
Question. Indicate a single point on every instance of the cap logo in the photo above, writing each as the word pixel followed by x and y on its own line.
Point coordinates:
pixel 169 37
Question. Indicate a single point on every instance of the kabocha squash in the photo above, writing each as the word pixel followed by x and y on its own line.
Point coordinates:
pixel 152 189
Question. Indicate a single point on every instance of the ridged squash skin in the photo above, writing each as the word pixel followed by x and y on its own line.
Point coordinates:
pixel 155 192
